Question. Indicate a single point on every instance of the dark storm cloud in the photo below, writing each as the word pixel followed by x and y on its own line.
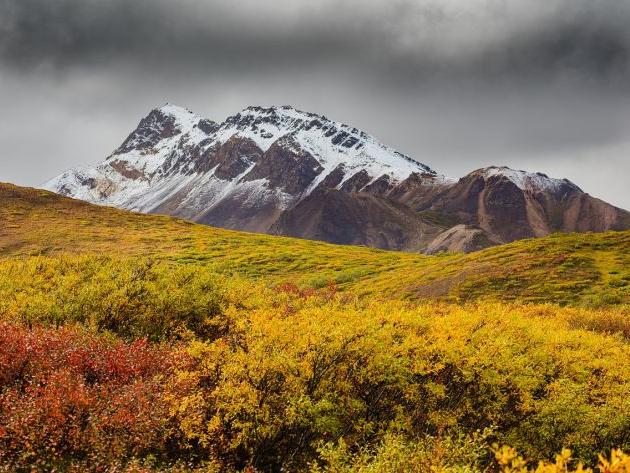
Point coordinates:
pixel 159 33
pixel 579 39
pixel 542 85
pixel 401 40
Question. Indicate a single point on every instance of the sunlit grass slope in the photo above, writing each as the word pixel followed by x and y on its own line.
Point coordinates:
pixel 563 268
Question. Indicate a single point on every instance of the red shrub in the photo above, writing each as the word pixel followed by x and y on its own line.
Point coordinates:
pixel 65 394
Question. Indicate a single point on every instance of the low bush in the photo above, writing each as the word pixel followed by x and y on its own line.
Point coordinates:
pixel 111 364
pixel 74 401
pixel 132 298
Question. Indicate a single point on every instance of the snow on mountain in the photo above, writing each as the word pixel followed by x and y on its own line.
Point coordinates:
pixel 283 171
pixel 331 143
pixel 162 160
pixel 530 181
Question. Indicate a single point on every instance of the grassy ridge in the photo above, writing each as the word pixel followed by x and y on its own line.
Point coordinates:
pixel 589 269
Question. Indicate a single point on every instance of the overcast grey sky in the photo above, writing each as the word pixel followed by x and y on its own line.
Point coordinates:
pixel 541 85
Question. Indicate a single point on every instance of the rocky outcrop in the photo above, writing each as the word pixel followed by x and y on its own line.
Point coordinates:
pixel 156 126
pixel 233 158
pixel 286 166
pixel 461 239
pixel 360 218
pixel 509 205
pixel 585 213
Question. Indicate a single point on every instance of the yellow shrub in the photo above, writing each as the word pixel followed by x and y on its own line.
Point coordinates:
pixel 276 373
pixel 510 462
pixel 283 381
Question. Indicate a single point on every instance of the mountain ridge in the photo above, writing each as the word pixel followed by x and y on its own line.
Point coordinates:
pixel 283 171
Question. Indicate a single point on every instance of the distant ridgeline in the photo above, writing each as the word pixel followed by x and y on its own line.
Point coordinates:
pixel 282 171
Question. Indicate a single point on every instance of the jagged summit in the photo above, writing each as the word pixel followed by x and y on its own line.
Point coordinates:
pixel 174 110
pixel 266 158
pixel 331 143
pixel 282 170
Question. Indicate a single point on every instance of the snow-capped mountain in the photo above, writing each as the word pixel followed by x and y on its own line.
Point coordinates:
pixel 258 163
pixel 530 181
pixel 509 205
pixel 280 170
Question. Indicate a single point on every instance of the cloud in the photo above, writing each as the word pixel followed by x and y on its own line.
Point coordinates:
pixel 411 39
pixel 536 84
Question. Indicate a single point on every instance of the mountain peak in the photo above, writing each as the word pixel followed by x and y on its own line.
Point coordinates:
pixel 269 109
pixel 532 181
pixel 281 170
pixel 180 115
pixel 173 110
pixel 331 143
pixel 174 152
pixel 280 115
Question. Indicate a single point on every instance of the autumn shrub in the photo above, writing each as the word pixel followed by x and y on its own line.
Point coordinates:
pixel 463 455
pixel 509 461
pixel 161 367
pixel 74 401
pixel 281 383
pixel 610 321
pixel 133 298
pixel 397 454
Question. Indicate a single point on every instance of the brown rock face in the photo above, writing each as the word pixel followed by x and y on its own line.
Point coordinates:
pixel 460 200
pixel 506 211
pixel 588 214
pixel 124 170
pixel 461 239
pixel 356 219
pixel 286 167
pixel 502 210
pixel 237 214
pixel 151 129
pixel 332 180
pixel 418 190
pixel 356 182
pixel 234 157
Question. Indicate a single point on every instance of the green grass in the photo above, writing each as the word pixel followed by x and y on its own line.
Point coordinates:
pixel 591 269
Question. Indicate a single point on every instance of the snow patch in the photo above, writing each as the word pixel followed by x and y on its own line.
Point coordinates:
pixel 528 180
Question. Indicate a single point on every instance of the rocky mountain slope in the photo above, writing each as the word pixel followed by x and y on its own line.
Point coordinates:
pixel 282 171
pixel 509 205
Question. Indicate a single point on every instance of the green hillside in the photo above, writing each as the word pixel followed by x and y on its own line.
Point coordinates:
pixel 592 269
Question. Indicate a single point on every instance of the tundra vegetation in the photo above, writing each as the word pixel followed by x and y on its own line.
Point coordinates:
pixel 144 343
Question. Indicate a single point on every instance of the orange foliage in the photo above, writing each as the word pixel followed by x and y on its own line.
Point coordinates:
pixel 66 394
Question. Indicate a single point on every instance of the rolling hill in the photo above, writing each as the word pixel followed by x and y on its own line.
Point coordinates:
pixel 589 268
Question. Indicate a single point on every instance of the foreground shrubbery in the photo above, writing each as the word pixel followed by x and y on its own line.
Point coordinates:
pixel 459 455
pixel 67 397
pixel 286 380
pixel 239 375
pixel 74 401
